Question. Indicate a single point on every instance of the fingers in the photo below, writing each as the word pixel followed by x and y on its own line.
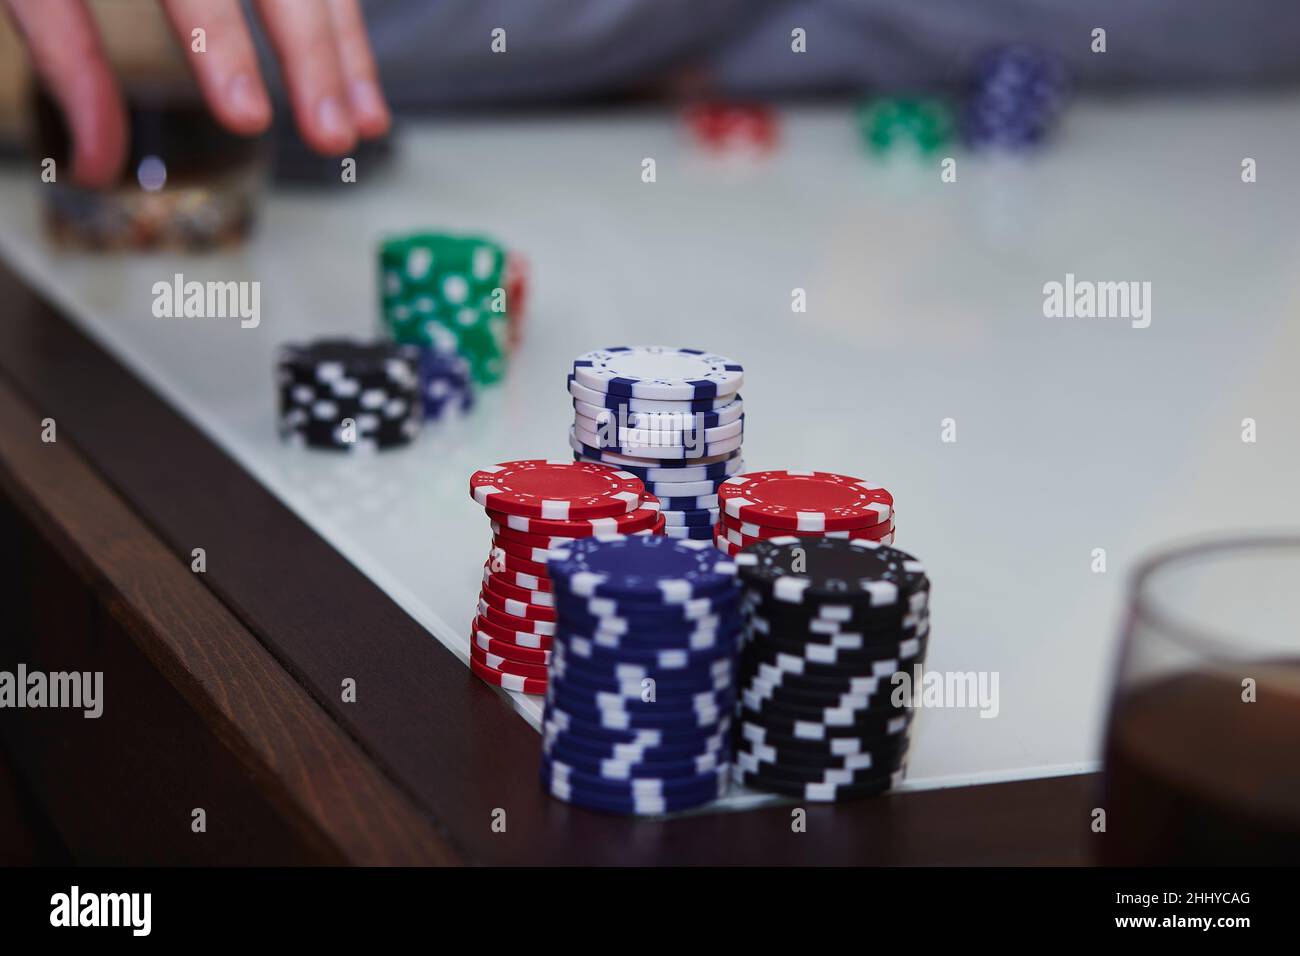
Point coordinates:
pixel 227 70
pixel 369 111
pixel 67 55
pixel 303 34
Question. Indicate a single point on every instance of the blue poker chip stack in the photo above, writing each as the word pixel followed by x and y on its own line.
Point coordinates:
pixel 671 416
pixel 641 688
pixel 446 386
pixel 1017 95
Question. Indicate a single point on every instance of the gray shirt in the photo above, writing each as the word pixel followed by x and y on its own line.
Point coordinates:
pixel 437 53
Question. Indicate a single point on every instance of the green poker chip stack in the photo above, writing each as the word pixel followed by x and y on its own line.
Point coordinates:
pixel 924 123
pixel 437 288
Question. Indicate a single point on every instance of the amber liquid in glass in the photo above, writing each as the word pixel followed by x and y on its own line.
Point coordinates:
pixel 1195 775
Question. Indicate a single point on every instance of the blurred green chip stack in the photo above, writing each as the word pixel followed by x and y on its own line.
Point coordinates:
pixel 924 123
pixel 435 284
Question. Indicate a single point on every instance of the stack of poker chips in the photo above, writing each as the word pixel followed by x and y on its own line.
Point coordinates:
pixel 434 281
pixel 642 693
pixel 769 504
pixel 1017 94
pixel 536 506
pixel 345 395
pixel 922 124
pixel 731 127
pixel 518 275
pixel 671 416
pixel 446 386
pixel 829 622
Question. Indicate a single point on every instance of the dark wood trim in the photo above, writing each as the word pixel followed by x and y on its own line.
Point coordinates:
pixel 447 739
pixel 316 777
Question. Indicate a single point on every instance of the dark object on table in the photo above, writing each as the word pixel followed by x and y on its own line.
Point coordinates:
pixel 293 163
pixel 186 184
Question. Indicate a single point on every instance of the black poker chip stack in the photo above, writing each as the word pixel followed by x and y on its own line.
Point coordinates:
pixel 345 395
pixel 829 622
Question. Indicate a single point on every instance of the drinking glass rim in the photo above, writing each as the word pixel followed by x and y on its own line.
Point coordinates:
pixel 1207 641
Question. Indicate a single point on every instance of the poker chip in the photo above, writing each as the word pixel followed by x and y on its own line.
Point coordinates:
pixel 653 450
pixel 829 622
pixel 515 607
pixel 520 579
pixel 679 489
pixel 818 792
pixel 606 769
pixel 514 652
pixel 732 127
pixel 558 721
pixel 505 619
pixel 1016 97
pixel 807 749
pixel 446 384
pixel 695 517
pixel 726 547
pixel 498 584
pixel 658 372
pixel 616 757
pixel 883 533
pixel 659 718
pixel 613 671
pixel 672 472
pixel 679 503
pixel 805 500
pixel 499 559
pixel 640 784
pixel 589 396
pixel 866 768
pixel 507 665
pixel 645 515
pixel 641 685
pixel 498 631
pixel 859 755
pixel 515 682
pixel 654 435
pixel 682 419
pixel 522 551
pixel 506 535
pixel 690 532
pixel 557 490
pixel 632 803
pixel 752 532
pixel 839 570
pixel 344 395
pixel 922 124
pixel 647 610
pixel 655 567
pixel 441 290
pixel 517 281
pixel 614 651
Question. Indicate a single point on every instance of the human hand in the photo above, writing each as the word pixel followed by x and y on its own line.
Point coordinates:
pixel 322 46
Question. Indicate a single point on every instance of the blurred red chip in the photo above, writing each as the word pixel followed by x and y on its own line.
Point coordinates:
pixel 516 294
pixel 733 126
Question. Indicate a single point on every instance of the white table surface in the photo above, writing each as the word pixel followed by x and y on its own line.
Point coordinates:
pixel 924 303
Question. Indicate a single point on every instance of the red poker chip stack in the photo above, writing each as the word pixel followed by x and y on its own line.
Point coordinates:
pixel 534 506
pixel 770 504
pixel 733 127
pixel 516 280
